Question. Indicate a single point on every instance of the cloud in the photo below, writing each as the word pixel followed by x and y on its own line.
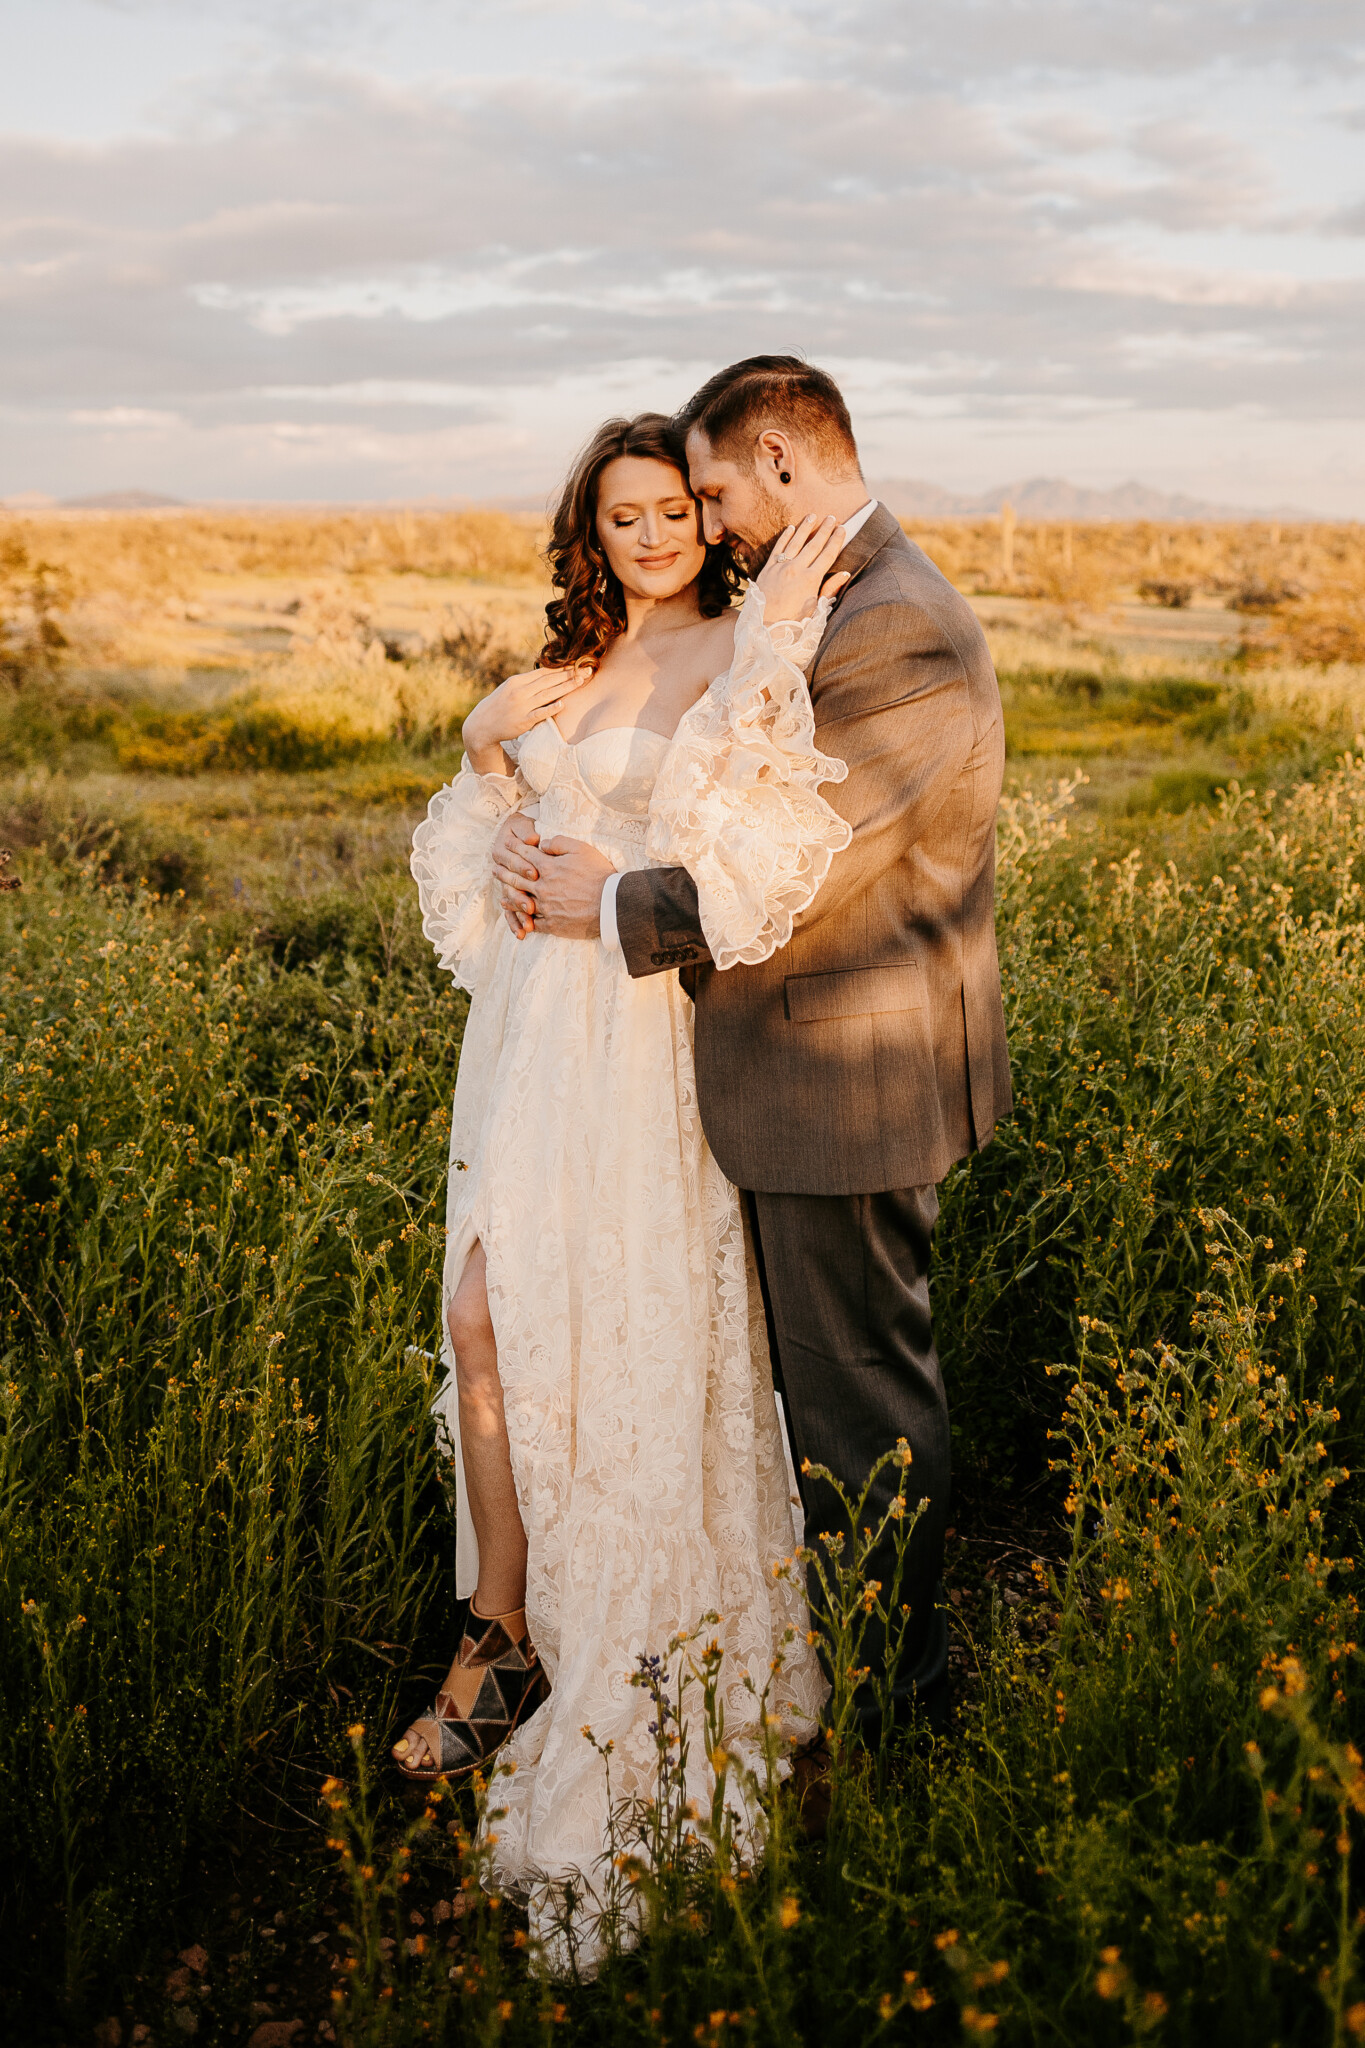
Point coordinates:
pixel 1083 37
pixel 1063 133
pixel 124 416
pixel 314 249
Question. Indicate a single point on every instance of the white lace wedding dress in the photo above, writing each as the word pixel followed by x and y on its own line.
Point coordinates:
pixel 631 1341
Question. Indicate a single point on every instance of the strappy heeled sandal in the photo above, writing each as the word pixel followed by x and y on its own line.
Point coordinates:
pixel 505 1684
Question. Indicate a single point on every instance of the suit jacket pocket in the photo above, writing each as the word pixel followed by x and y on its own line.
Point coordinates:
pixel 854 992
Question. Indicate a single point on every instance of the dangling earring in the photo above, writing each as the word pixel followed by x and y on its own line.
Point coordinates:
pixel 784 476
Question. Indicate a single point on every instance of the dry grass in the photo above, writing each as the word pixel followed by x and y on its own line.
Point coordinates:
pixel 198 596
pixel 174 553
pixel 128 584
pixel 200 642
pixel 1294 592
pixel 1303 582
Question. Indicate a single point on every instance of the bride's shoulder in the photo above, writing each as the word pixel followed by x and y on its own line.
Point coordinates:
pixel 718 639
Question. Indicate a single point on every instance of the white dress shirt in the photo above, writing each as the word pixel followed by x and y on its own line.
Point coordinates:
pixel 607 913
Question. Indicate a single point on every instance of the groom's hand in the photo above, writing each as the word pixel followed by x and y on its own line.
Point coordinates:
pixel 568 896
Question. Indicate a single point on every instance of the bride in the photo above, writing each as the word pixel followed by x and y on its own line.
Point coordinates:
pixel 609 1399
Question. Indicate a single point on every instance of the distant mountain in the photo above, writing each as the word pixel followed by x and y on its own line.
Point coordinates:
pixel 1034 497
pixel 1045 497
pixel 120 501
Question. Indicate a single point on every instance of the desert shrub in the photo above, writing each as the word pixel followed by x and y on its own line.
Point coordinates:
pixel 289 732
pixel 56 726
pixel 1277 730
pixel 1263 597
pixel 317 712
pixel 41 727
pixel 32 593
pixel 1085 712
pixel 1174 596
pixel 1176 790
pixel 478 651
pixel 1181 694
pixel 250 736
pixel 116 843
pixel 1326 628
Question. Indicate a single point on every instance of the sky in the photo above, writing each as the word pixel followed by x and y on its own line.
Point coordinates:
pixel 406 249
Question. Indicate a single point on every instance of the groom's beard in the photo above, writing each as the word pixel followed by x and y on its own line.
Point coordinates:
pixel 771 518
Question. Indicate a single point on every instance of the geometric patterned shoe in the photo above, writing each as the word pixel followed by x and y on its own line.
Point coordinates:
pixel 496 1682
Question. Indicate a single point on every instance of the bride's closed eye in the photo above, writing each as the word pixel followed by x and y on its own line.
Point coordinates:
pixel 677 512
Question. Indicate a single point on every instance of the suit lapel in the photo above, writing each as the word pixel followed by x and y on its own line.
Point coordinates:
pixel 871 537
pixel 867 543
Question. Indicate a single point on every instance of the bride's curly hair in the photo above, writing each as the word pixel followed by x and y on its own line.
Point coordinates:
pixel 581 623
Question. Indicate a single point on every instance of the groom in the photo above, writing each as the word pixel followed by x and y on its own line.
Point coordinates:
pixel 839 1080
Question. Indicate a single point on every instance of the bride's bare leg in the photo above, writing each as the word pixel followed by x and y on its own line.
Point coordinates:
pixel 484 1446
pixel 501 1590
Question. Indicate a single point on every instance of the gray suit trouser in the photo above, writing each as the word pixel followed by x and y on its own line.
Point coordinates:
pixel 846 1287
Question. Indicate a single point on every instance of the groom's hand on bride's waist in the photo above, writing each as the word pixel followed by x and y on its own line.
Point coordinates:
pixel 568 895
pixel 567 890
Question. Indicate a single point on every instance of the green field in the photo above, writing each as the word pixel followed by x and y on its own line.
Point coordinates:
pixel 226 1060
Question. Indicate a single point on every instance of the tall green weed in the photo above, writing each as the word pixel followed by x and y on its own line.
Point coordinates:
pixel 220 1519
pixel 1144 1830
pixel 223 1541
pixel 1186 1031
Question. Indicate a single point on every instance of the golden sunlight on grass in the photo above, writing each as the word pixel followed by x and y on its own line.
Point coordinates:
pixel 1166 662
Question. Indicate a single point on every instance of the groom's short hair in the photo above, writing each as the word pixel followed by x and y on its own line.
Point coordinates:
pixel 733 407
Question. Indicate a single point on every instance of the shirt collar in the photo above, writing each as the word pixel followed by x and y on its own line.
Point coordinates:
pixel 858 519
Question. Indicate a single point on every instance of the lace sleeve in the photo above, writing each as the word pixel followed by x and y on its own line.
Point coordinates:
pixel 736 802
pixel 452 867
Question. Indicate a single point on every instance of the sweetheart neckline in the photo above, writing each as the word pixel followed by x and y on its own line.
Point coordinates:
pixel 572 746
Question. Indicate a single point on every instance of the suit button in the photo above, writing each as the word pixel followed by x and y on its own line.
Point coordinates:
pixel 659 959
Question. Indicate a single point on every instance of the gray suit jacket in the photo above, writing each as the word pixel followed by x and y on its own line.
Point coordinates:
pixel 869 1053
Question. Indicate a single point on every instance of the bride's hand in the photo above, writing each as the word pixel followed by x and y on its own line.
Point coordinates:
pixel 514 707
pixel 796 573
